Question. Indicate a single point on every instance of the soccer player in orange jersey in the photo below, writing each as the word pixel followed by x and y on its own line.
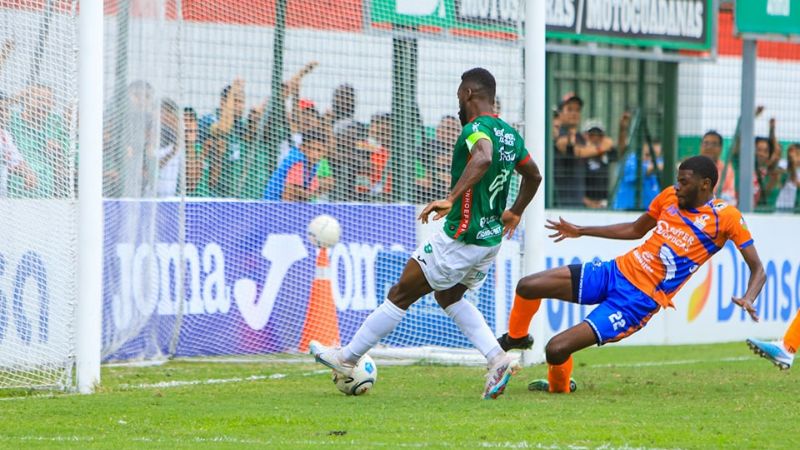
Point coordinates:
pixel 689 224
pixel 782 352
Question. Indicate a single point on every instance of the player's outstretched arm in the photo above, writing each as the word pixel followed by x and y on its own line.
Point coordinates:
pixel 531 179
pixel 479 162
pixel 757 279
pixel 629 230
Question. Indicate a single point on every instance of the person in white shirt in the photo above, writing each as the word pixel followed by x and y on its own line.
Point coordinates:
pixel 11 161
pixel 788 198
pixel 170 154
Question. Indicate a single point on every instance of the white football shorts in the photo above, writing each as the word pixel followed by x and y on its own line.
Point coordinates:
pixel 447 262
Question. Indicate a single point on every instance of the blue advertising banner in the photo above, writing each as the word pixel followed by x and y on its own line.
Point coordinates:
pixel 248 270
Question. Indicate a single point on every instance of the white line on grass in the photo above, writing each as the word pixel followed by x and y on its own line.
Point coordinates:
pixel 176 383
pixel 678 362
pixel 152 363
pixel 297 360
pixel 26 397
pixel 220 439
pixel 526 444
pixel 278 376
pixel 412 361
pixel 47 438
pixel 320 442
pixel 180 383
pixel 253 360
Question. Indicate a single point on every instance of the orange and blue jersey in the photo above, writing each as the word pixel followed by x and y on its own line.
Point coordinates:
pixel 682 241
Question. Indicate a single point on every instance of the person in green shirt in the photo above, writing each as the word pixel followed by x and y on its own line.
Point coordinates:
pixel 43 141
pixel 788 175
pixel 230 141
pixel 768 173
pixel 326 182
pixel 484 157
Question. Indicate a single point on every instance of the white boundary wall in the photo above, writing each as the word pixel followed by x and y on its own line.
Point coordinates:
pixel 37 284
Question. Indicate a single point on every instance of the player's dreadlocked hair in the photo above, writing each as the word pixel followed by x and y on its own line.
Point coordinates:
pixel 702 166
pixel 483 78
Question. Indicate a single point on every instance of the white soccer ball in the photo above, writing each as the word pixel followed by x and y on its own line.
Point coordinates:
pixel 361 380
pixel 324 231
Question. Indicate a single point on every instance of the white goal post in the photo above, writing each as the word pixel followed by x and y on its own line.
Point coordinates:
pixel 90 197
pixel 535 137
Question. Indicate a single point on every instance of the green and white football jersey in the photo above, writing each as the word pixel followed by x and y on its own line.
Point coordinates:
pixel 475 217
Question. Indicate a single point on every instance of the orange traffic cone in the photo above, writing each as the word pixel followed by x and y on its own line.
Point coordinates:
pixel 321 322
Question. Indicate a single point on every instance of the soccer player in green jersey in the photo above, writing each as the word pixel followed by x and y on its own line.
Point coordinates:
pixel 458 258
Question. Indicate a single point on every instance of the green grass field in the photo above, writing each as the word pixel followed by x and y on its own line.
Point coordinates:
pixel 710 396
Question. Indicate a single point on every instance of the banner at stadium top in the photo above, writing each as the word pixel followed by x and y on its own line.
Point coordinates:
pixel 675 24
pixel 771 17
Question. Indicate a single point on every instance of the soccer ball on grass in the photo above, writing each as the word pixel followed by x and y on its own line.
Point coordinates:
pixel 361 380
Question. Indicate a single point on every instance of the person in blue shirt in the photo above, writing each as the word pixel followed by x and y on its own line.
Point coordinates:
pixel 299 177
pixel 628 182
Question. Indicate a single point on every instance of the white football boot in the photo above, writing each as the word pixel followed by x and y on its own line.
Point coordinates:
pixel 331 358
pixel 498 376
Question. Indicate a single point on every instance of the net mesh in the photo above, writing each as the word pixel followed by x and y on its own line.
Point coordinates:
pixel 607 112
pixel 38 71
pixel 230 125
pixel 611 143
pixel 711 95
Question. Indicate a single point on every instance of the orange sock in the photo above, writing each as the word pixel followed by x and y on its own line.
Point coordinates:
pixel 522 311
pixel 791 340
pixel 558 376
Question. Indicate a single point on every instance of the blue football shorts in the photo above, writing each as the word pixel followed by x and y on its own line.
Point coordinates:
pixel 622 308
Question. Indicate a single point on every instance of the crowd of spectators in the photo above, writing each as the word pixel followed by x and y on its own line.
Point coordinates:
pixel 167 150
pixel 154 147
pixel 776 176
pixel 583 157
pixel 232 152
pixel 34 146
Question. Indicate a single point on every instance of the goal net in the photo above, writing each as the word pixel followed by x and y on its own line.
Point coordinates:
pixel 231 124
pixel 38 98
pixel 228 126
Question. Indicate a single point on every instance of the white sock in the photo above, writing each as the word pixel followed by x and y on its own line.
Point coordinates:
pixel 474 327
pixel 377 326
